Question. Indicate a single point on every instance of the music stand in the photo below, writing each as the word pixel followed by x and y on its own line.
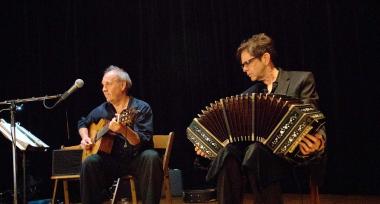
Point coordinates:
pixel 12 132
pixel 25 141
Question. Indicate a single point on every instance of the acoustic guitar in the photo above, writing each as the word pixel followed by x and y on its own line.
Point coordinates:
pixel 102 137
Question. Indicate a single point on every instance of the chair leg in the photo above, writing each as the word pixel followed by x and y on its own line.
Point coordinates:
pixel 54 191
pixel 168 193
pixel 116 191
pixel 314 193
pixel 66 192
pixel 133 191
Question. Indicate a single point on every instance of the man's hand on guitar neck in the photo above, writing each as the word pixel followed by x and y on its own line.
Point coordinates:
pixel 126 131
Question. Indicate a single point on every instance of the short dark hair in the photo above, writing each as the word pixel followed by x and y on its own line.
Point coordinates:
pixel 257 45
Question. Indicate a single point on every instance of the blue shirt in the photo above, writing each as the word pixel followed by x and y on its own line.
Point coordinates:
pixel 143 126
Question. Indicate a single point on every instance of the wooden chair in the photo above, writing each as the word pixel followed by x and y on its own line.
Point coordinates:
pixel 312 183
pixel 313 188
pixel 314 192
pixel 314 177
pixel 163 142
pixel 65 179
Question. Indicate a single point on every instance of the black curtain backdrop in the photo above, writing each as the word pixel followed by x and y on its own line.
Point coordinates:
pixel 181 57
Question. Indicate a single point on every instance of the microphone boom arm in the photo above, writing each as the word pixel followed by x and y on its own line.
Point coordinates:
pixel 42 98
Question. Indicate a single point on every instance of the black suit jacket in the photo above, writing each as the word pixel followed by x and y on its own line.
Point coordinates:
pixel 297 84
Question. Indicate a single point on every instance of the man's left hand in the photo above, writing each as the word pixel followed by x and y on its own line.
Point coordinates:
pixel 310 144
pixel 127 132
pixel 116 127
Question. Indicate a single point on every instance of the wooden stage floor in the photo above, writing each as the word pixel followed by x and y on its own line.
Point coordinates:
pixel 303 199
pixel 300 199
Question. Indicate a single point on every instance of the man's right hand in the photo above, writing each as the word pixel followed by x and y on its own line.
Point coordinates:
pixel 86 143
pixel 199 152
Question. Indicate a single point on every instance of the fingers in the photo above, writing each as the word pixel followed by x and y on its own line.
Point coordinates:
pixel 115 126
pixel 312 138
pixel 321 140
pixel 199 152
pixel 86 143
pixel 310 144
pixel 305 149
pixel 113 123
pixel 319 136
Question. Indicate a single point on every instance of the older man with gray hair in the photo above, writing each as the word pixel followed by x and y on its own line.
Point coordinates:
pixel 131 144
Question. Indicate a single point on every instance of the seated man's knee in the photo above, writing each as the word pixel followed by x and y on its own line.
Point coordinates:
pixel 150 156
pixel 91 163
pixel 254 149
pixel 255 152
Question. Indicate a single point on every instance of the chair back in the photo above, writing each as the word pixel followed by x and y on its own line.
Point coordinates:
pixel 164 142
pixel 75 147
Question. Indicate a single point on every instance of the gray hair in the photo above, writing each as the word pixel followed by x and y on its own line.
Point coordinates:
pixel 121 73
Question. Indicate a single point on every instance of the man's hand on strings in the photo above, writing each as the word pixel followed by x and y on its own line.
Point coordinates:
pixel 86 143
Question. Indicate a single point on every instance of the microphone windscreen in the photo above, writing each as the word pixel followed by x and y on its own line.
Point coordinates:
pixel 79 83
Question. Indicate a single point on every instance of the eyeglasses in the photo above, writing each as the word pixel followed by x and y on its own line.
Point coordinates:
pixel 246 63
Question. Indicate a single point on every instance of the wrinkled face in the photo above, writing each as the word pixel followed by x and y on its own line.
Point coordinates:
pixel 252 66
pixel 113 87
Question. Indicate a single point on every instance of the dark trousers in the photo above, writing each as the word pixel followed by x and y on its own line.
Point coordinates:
pixel 259 166
pixel 98 172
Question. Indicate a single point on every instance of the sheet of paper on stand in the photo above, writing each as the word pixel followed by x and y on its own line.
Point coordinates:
pixel 25 140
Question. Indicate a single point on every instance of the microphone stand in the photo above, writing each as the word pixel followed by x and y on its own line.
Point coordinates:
pixel 12 109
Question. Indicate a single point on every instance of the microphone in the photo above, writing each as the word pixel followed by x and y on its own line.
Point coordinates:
pixel 78 84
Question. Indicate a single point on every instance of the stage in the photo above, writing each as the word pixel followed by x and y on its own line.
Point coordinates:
pixel 303 198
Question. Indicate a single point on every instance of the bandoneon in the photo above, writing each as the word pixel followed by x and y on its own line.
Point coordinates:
pixel 279 122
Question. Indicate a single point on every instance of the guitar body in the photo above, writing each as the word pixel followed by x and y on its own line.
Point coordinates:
pixel 100 136
pixel 103 144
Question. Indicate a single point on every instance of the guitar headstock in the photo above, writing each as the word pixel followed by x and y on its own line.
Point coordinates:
pixel 128 116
